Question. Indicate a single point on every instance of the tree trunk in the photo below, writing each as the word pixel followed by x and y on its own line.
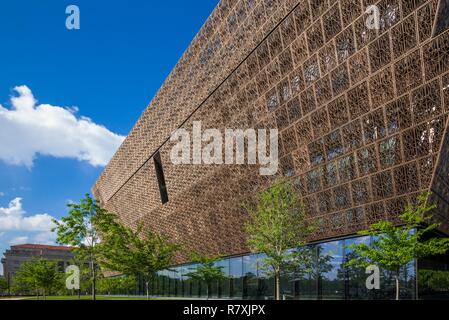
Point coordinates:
pixel 207 291
pixel 147 288
pixel 94 279
pixel 277 279
pixel 397 285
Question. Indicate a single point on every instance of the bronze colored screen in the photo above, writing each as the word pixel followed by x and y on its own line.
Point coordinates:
pixel 361 114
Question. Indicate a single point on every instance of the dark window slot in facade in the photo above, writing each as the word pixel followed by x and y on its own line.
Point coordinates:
pixel 160 177
pixel 442 18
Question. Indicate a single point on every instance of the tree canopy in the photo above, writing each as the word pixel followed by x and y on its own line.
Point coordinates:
pixel 134 252
pixel 279 229
pixel 80 230
pixel 393 247
pixel 38 275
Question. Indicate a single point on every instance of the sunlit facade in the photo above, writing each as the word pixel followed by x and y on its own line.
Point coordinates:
pixel 362 115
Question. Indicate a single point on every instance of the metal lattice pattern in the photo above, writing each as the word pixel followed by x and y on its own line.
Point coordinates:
pixel 361 113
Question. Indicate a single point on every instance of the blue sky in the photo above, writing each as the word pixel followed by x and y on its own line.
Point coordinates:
pixel 107 71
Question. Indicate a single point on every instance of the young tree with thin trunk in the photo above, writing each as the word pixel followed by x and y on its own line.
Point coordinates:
pixel 278 228
pixel 134 252
pixel 206 271
pixel 394 247
pixel 39 275
pixel 79 229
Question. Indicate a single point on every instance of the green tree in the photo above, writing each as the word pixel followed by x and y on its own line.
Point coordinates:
pixel 139 252
pixel 3 285
pixel 107 286
pixel 393 247
pixel 433 281
pixel 207 270
pixel 117 285
pixel 79 229
pixel 276 226
pixel 39 275
pixel 127 284
pixel 85 275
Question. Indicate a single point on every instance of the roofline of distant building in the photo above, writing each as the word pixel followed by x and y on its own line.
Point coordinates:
pixel 42 246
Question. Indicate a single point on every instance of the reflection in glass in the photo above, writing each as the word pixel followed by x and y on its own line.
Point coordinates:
pixel 319 273
pixel 236 277
pixel 266 281
pixel 307 282
pixel 223 285
pixel 250 281
pixel 185 284
pixel 330 260
pixel 388 284
pixel 355 276
pixel 298 271
pixel 194 284
pixel 433 277
pixel 172 282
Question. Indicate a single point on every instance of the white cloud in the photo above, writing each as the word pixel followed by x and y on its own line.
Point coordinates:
pixel 13 218
pixel 45 237
pixel 28 129
pixel 18 240
pixel 17 227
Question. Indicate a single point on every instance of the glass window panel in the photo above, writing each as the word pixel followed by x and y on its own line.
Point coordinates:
pixel 434 277
pixel 290 280
pixel 356 277
pixel 214 286
pixel 187 292
pixel 203 289
pixel 330 270
pixel 178 283
pixel 172 283
pixel 308 282
pixel 250 281
pixel 407 278
pixel 194 284
pixel 266 283
pixel 223 286
pixel 236 277
pixel 182 279
pixel 388 284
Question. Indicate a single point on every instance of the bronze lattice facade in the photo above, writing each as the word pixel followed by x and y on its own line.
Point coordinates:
pixel 362 115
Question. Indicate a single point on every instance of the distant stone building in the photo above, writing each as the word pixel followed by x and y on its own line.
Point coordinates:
pixel 17 255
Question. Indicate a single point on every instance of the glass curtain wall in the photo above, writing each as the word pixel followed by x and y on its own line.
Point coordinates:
pixel 325 277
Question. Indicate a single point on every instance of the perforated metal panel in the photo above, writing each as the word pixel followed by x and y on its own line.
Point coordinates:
pixel 361 114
